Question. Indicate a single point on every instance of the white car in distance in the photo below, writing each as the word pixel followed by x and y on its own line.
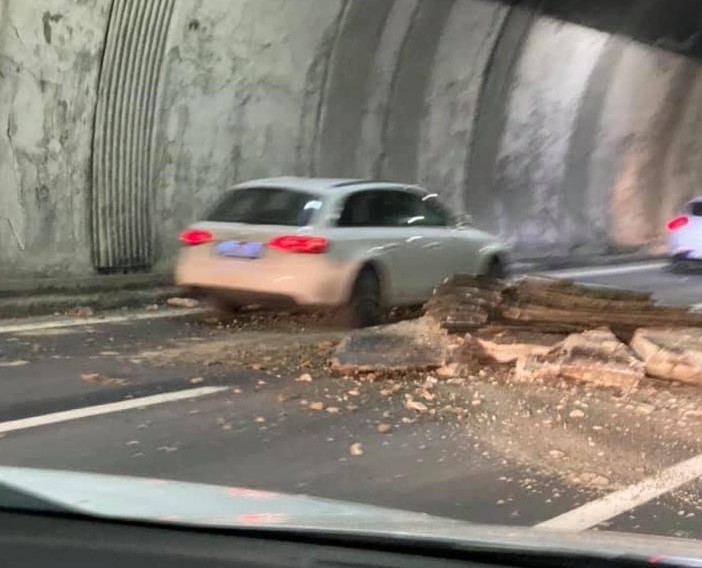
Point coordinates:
pixel 685 236
pixel 364 244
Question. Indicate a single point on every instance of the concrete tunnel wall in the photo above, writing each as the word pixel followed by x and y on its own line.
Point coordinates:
pixel 121 120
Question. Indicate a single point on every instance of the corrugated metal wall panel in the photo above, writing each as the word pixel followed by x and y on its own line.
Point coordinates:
pixel 123 170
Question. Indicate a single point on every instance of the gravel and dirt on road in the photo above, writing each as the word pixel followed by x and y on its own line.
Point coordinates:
pixel 593 437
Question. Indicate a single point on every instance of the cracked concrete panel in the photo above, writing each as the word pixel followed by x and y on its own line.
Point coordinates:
pixel 233 96
pixel 633 143
pixel 469 36
pixel 49 63
pixel 551 78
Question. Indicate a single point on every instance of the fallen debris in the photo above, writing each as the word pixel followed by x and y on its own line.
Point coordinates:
pixel 356 449
pixel 448 371
pixel 504 346
pixel 407 346
pixel 466 303
pixel 509 346
pixel 595 356
pixel 81 312
pixel 415 405
pixel 98 378
pixel 671 354
pixel 182 302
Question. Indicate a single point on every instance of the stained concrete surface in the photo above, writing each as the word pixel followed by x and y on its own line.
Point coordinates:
pixel 565 127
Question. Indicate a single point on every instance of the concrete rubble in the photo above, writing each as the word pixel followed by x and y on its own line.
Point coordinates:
pixel 543 329
pixel 595 356
pixel 671 354
pixel 177 302
pixel 547 305
pixel 495 345
pixel 405 346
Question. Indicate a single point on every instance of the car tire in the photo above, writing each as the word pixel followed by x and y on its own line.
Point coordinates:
pixel 223 308
pixel 678 267
pixel 365 306
pixel 496 269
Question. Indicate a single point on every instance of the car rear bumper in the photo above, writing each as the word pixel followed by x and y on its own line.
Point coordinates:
pixel 305 280
pixel 244 297
pixel 684 261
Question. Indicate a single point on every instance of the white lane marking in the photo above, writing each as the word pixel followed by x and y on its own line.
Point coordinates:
pixel 131 404
pixel 592 514
pixel 605 270
pixel 80 322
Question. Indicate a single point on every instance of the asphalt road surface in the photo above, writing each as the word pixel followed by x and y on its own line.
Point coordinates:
pixel 81 395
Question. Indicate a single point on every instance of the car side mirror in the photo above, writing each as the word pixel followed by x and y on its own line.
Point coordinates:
pixel 463 220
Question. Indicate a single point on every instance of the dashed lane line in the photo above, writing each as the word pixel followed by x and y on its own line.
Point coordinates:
pixel 610 506
pixel 110 408
pixel 91 321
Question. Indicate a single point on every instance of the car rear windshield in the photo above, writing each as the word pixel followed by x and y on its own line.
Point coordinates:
pixel 696 208
pixel 266 206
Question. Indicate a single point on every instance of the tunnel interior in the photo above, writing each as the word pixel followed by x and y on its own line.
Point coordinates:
pixel 567 127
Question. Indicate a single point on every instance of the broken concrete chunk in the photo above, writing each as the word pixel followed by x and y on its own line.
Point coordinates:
pixel 671 354
pixel 503 346
pixel 410 345
pixel 183 302
pixel 508 346
pixel 464 304
pixel 595 356
pixel 356 449
pixel 81 312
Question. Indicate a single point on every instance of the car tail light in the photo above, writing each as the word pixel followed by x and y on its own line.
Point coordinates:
pixel 195 237
pixel 296 243
pixel 678 223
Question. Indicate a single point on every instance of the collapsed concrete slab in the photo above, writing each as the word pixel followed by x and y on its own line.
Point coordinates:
pixel 507 346
pixel 406 346
pixel 594 356
pixel 539 304
pixel 671 354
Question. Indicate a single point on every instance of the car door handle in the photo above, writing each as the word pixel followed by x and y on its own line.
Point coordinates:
pixel 432 246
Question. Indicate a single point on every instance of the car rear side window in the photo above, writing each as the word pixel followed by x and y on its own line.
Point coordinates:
pixel 266 206
pixel 360 210
pixel 435 213
pixel 400 209
pixel 390 208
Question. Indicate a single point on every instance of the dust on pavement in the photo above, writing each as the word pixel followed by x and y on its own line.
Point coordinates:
pixel 589 437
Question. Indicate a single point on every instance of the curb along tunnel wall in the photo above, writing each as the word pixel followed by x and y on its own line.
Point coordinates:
pixel 569 126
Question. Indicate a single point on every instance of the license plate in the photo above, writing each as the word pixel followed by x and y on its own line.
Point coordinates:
pixel 238 249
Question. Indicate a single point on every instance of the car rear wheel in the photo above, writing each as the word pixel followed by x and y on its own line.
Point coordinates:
pixel 496 269
pixel 223 308
pixel 365 308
